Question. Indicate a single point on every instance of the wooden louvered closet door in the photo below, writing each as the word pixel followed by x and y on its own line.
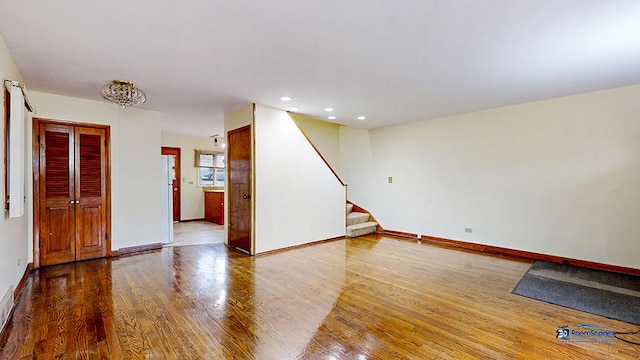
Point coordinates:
pixel 72 187
pixel 90 193
pixel 57 194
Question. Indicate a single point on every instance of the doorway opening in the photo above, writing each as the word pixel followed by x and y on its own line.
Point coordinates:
pixel 188 230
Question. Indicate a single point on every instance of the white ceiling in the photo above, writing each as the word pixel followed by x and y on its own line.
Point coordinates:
pixel 392 61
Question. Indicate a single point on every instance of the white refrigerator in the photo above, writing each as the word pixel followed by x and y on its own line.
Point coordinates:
pixel 167 199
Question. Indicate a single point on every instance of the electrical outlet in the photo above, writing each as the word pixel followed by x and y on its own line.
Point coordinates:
pixel 18 261
pixel 390 179
pixel 468 230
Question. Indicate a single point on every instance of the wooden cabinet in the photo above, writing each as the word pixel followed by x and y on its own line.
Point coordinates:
pixel 214 207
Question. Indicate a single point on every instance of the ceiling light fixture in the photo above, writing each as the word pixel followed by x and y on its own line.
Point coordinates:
pixel 328 109
pixel 331 117
pixel 218 140
pixel 123 93
pixel 361 117
pixel 286 98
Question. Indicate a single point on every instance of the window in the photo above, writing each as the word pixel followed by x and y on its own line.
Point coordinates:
pixel 210 176
pixel 210 167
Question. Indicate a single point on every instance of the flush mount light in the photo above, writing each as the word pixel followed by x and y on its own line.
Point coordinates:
pixel 328 109
pixel 361 117
pixel 293 108
pixel 123 93
pixel 286 98
pixel 331 117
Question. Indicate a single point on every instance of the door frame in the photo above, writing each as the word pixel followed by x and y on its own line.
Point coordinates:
pixel 35 155
pixel 177 206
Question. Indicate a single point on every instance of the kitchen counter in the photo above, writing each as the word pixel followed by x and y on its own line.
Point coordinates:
pixel 213 189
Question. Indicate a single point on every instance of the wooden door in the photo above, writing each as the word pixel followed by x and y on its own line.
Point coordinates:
pixel 56 194
pixel 90 193
pixel 239 188
pixel 174 154
pixel 214 207
pixel 72 193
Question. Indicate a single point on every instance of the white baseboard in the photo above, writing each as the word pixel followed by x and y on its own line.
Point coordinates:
pixel 5 307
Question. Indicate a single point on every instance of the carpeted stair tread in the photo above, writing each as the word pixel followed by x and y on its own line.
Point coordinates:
pixel 349 208
pixel 357 218
pixel 361 229
pixel 363 225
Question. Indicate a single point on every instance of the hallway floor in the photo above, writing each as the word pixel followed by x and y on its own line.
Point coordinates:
pixel 197 233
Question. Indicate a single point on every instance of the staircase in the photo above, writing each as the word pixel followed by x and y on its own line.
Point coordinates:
pixel 358 223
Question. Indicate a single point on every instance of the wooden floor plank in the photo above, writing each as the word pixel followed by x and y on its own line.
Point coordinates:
pixel 373 297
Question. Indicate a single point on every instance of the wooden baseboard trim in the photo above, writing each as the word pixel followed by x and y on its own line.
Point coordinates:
pixel 271 252
pixel 22 281
pixel 398 233
pixel 190 220
pixel 136 249
pixel 527 255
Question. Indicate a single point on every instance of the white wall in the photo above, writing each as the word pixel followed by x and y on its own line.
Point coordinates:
pixel 135 168
pixel 13 231
pixel 559 177
pixel 139 141
pixel 324 135
pixel 238 118
pixel 356 161
pixel 192 196
pixel 297 198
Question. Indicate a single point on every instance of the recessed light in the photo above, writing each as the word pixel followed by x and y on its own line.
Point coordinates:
pixel 286 98
pixel 293 108
pixel 361 117
pixel 328 109
pixel 331 117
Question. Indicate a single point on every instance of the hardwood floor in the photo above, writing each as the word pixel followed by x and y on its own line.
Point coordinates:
pixel 365 298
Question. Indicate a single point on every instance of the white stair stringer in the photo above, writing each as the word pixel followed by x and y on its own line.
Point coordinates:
pixel 361 229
